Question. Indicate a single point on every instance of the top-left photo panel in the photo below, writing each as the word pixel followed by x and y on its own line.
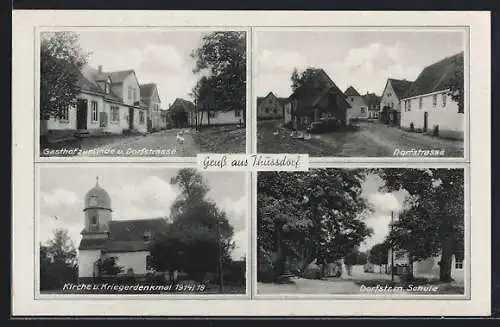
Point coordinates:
pixel 136 93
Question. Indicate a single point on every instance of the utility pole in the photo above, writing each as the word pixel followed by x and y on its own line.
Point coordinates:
pixel 392 249
pixel 219 248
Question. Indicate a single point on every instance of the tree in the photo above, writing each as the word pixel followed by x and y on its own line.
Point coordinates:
pixel 323 221
pixel 221 58
pixel 200 236
pixel 108 266
pixel 60 60
pixel 433 220
pixel 456 83
pixel 378 254
pixel 57 261
pixel 362 258
pixel 310 80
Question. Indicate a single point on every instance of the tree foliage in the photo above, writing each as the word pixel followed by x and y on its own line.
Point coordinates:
pixel 315 215
pixel 221 61
pixel 58 263
pixel 378 254
pixel 433 219
pixel 310 80
pixel 61 57
pixel 109 266
pixel 199 231
pixel 456 84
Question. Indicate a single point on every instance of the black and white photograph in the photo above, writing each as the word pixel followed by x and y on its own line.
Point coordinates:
pixel 126 230
pixel 142 92
pixel 366 231
pixel 360 92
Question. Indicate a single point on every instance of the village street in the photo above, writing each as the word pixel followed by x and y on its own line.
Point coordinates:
pixel 358 283
pixel 370 139
pixel 229 139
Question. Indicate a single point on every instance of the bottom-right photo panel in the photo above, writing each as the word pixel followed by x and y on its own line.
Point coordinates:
pixel 369 231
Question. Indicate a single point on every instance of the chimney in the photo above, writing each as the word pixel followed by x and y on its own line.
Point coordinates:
pixel 99 68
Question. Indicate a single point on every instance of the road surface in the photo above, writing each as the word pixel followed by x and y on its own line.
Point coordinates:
pixel 371 139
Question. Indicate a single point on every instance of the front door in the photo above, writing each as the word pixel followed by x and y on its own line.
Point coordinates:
pixel 131 118
pixel 81 114
pixel 425 121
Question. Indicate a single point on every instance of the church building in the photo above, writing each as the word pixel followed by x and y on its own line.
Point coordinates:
pixel 128 241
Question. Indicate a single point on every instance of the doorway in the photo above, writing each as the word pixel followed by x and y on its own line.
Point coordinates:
pixel 425 121
pixel 81 114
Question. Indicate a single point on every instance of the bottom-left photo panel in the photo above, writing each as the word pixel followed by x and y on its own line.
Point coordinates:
pixel 140 229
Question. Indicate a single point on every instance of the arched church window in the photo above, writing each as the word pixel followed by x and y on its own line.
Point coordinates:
pixel 93 220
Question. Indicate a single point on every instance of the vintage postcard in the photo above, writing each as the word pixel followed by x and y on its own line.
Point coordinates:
pixel 251 163
pixel 138 92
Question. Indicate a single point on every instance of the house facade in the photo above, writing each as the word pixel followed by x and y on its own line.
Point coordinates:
pixel 428 106
pixel 108 103
pixel 270 107
pixel 359 109
pixel 307 104
pixel 128 241
pixel 151 98
pixel 428 268
pixel 390 106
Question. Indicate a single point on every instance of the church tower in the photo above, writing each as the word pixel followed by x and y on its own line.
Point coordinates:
pixel 97 211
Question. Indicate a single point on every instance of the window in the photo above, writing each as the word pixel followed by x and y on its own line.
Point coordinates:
pixel 389 94
pixel 409 105
pixel 107 88
pixel 115 114
pixel 141 117
pixel 363 110
pixel 352 99
pixel 211 114
pixel 93 220
pixel 266 109
pixel 130 92
pixel 237 113
pixel 459 263
pixel 93 107
pixel 134 93
pixel 147 236
pixel 444 99
pixel 434 100
pixel 420 102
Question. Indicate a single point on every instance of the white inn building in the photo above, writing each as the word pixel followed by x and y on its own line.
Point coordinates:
pixel 428 107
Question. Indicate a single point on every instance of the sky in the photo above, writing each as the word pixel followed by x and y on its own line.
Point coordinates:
pixel 382 204
pixel 161 57
pixel 136 193
pixel 361 58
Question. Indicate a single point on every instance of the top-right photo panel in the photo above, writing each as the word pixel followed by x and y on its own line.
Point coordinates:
pixel 362 92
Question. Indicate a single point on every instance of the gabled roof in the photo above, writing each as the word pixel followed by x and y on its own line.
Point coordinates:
pixel 307 99
pixel 126 235
pixel 437 76
pixel 119 76
pixel 147 92
pixel 351 91
pixel 89 82
pixel 400 86
pixel 282 101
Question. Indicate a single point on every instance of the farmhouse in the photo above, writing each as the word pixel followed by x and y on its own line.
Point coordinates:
pixel 373 103
pixel 182 113
pixel 390 107
pixel 359 108
pixel 128 240
pixel 428 105
pixel 270 107
pixel 308 104
pixel 108 103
